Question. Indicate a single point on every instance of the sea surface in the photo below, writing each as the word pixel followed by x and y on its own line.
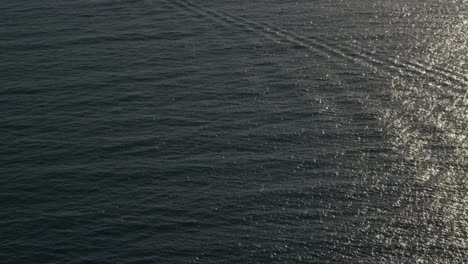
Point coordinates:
pixel 266 131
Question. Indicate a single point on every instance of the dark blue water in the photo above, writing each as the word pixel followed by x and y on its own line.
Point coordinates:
pixel 177 131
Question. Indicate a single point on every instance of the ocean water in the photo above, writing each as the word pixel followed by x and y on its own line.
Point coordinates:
pixel 189 131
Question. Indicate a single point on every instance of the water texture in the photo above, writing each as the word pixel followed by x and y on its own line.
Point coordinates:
pixel 189 131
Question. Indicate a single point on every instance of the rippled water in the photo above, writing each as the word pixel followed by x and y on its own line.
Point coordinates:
pixel 188 131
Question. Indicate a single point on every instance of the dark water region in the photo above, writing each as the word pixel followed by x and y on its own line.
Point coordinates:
pixel 188 131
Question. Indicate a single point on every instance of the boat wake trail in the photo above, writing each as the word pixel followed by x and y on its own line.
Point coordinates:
pixel 453 83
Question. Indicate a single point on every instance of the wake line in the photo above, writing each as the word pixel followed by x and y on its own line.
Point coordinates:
pixel 421 68
pixel 416 67
pixel 219 19
pixel 272 34
pixel 285 35
pixel 362 58
pixel 265 32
